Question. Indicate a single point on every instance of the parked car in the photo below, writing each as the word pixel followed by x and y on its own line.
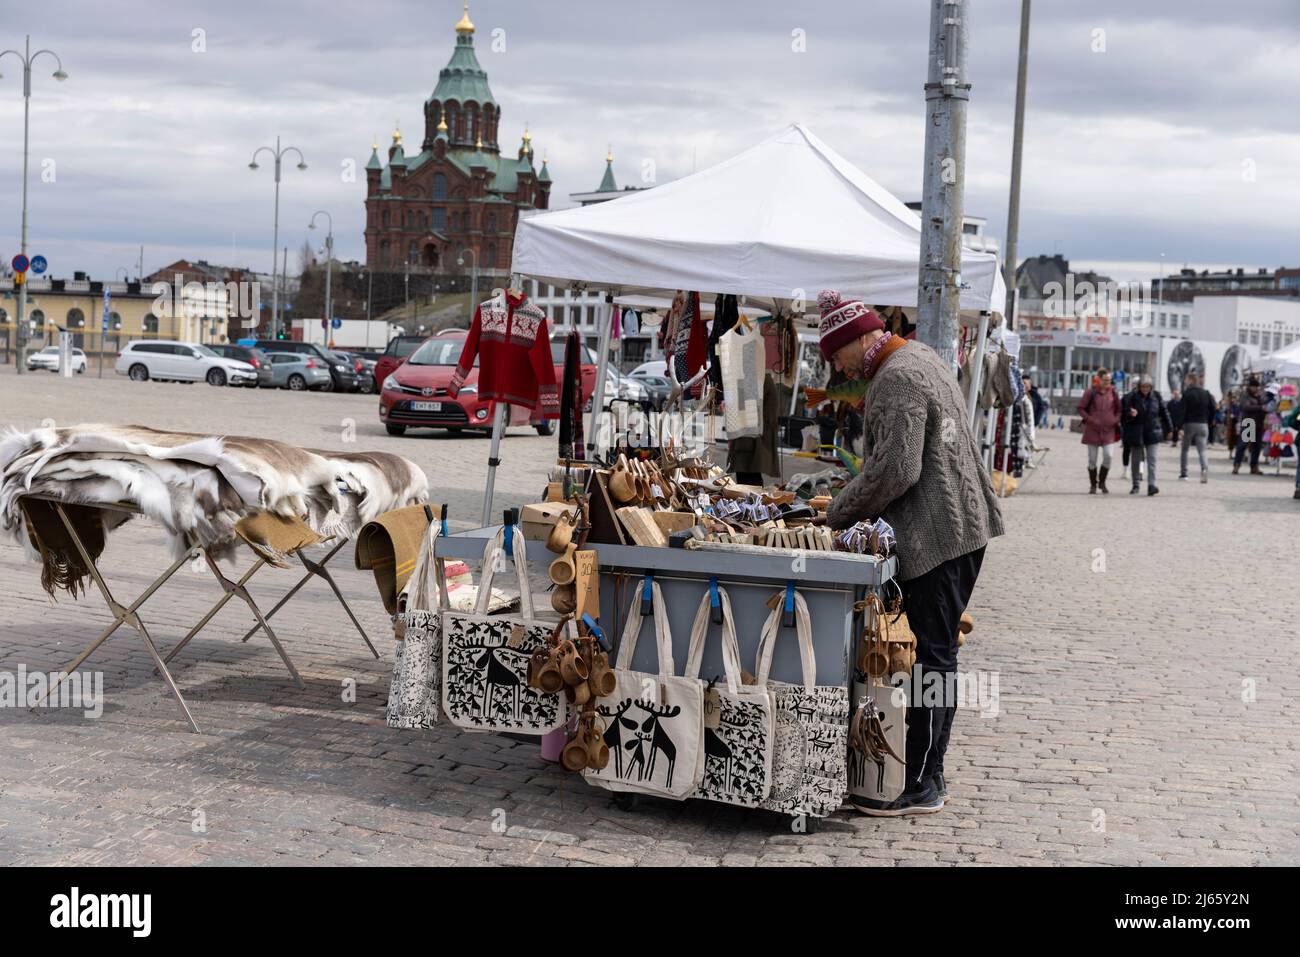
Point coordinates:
pixel 145 359
pixel 655 367
pixel 296 372
pixel 625 388
pixel 399 349
pixel 254 357
pixel 657 387
pixel 415 395
pixel 48 358
pixel 343 377
pixel 364 369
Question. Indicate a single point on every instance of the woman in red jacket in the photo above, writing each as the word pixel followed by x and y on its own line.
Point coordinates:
pixel 1099 409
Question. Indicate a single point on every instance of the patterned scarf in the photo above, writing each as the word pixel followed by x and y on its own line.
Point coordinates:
pixel 879 352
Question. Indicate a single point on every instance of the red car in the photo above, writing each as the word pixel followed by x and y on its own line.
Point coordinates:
pixel 398 351
pixel 415 394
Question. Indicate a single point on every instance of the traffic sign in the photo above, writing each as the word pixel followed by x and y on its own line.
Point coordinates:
pixel 20 263
pixel 324 324
pixel 39 265
pixel 336 323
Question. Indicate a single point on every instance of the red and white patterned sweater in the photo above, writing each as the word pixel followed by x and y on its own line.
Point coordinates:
pixel 513 344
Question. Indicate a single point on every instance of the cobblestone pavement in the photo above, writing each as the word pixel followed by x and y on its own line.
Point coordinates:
pixel 1144 650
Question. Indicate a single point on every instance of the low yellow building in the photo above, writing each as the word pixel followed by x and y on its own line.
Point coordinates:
pixel 135 311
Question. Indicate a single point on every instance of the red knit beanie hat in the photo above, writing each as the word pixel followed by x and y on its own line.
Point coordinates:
pixel 843 320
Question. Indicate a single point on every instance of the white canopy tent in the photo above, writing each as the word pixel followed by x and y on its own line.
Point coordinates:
pixel 1285 363
pixel 775 224
pixel 779 222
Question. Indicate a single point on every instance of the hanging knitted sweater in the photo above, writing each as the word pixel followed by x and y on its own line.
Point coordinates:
pixel 510 336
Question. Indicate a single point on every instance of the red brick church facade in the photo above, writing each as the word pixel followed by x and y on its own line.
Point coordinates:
pixel 458 192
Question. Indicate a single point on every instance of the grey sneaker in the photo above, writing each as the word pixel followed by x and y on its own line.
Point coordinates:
pixel 925 801
pixel 1205 476
pixel 940 786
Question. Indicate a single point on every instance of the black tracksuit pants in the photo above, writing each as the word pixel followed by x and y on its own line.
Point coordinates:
pixel 934 603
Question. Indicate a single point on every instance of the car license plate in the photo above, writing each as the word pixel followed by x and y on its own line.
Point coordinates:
pixel 426 406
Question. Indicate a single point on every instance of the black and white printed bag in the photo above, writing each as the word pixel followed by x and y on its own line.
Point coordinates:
pixel 738 726
pixel 485 657
pixel 415 692
pixel 809 757
pixel 653 723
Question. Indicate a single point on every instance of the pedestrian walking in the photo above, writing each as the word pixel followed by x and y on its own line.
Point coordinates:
pixel 1199 410
pixel 1176 416
pixel 1146 422
pixel 1100 410
pixel 1250 426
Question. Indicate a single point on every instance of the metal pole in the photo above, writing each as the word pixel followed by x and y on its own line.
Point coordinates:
pixel 370 296
pixel 947 94
pixel 275 250
pixel 498 428
pixel 20 321
pixel 975 370
pixel 602 367
pixel 1017 143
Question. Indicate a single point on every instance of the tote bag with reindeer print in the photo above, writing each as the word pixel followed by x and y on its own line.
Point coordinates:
pixel 653 723
pixel 810 754
pixel 737 719
pixel 485 658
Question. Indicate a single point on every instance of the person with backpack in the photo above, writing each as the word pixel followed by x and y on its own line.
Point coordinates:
pixel 1100 410
pixel 1145 423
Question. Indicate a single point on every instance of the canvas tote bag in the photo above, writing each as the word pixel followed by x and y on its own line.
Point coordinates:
pixel 653 723
pixel 810 752
pixel 415 692
pixel 485 657
pixel 881 780
pixel 738 726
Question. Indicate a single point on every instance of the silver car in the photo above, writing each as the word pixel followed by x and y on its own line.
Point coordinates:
pixel 297 371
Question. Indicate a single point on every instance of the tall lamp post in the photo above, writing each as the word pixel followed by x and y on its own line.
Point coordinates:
pixel 27 57
pixel 473 280
pixel 329 266
pixel 278 153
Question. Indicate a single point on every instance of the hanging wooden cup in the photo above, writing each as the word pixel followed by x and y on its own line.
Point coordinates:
pixel 622 484
pixel 562 533
pixel 564 599
pixel 562 570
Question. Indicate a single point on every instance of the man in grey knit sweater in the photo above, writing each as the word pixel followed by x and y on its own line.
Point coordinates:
pixel 921 472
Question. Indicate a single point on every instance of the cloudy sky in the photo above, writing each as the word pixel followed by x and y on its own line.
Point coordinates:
pixel 1161 127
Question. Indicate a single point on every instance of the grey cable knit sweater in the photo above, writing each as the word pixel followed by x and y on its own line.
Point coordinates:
pixel 921 469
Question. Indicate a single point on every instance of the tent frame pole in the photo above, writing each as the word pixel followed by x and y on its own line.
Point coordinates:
pixel 975 368
pixel 602 370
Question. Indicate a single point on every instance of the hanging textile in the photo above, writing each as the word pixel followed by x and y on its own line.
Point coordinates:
pixel 690 349
pixel 571 439
pixel 725 316
pixel 739 369
pixel 1016 462
pixel 511 339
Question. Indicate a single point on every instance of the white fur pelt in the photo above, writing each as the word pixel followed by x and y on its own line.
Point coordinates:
pixel 201 485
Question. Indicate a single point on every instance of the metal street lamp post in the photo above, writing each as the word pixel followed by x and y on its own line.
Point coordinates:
pixel 473 282
pixel 278 153
pixel 329 266
pixel 27 57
